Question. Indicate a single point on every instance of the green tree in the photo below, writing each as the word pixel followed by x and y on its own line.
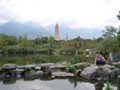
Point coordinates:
pixel 1 40
pixel 23 41
pixel 109 32
pixel 118 41
pixel 11 40
pixel 44 40
pixel 37 41
pixel 41 40
pixel 7 40
pixel 118 38
pixel 51 42
pixel 109 42
pixel 118 35
pixel 118 16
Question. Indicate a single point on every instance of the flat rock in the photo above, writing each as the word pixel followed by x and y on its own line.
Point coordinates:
pixel 30 66
pixel 9 66
pixel 19 70
pixel 46 65
pixel 57 68
pixel 62 74
pixel 84 64
pixel 37 68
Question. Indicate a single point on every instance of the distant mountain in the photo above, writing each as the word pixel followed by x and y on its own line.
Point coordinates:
pixel 89 32
pixel 32 30
pixel 11 28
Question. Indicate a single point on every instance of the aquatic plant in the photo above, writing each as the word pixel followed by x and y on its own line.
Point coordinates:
pixel 118 84
pixel 108 86
pixel 71 68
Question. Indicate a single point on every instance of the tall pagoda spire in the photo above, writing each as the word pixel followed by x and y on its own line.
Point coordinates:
pixel 56 32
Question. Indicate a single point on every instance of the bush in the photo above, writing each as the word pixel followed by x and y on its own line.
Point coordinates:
pixel 71 67
pixel 108 86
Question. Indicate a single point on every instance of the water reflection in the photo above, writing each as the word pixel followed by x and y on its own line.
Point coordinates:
pixel 41 84
pixel 9 80
pixel 99 86
pixel 48 83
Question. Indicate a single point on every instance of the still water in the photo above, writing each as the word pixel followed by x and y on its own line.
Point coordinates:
pixel 56 84
pixel 43 84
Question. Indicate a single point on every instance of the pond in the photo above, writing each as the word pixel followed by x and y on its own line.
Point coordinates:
pixel 45 82
pixel 48 84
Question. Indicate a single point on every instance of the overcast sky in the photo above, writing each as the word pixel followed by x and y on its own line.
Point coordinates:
pixel 72 13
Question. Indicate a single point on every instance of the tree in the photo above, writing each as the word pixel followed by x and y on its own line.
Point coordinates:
pixel 1 40
pixel 109 42
pixel 51 42
pixel 118 34
pixel 11 40
pixel 44 40
pixel 118 38
pixel 118 16
pixel 23 41
pixel 7 40
pixel 109 31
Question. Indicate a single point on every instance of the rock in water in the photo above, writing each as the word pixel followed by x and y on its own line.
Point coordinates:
pixel 9 66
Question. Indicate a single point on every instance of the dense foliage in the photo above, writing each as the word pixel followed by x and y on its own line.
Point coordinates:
pixel 108 42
